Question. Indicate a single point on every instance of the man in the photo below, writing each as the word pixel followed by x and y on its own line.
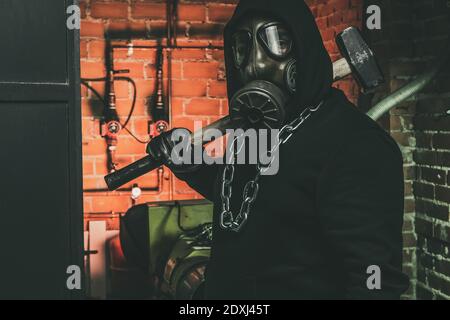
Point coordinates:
pixel 334 210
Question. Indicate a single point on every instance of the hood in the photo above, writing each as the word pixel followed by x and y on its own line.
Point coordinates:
pixel 314 67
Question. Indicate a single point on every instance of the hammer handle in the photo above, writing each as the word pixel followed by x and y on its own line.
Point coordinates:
pixel 116 179
pixel 147 164
pixel 341 69
pixel 131 172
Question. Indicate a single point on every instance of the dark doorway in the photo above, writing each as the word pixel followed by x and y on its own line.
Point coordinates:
pixel 40 135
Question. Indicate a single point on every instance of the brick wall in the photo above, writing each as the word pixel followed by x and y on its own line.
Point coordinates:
pixel 391 48
pixel 432 154
pixel 413 34
pixel 199 88
pixel 333 16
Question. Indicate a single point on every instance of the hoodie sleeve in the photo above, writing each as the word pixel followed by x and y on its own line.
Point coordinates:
pixel 201 180
pixel 360 201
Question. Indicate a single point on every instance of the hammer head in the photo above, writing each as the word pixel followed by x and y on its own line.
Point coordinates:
pixel 360 58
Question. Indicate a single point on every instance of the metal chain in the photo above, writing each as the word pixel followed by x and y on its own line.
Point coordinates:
pixel 227 219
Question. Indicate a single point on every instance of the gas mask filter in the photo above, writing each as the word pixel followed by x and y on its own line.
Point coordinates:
pixel 263 51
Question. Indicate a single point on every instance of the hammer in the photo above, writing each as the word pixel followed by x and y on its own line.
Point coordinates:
pixel 357 59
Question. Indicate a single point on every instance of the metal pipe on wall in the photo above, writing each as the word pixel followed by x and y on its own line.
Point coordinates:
pixel 408 90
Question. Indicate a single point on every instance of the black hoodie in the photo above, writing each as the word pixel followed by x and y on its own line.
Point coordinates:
pixel 334 209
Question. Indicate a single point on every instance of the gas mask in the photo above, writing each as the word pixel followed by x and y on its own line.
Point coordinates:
pixel 264 56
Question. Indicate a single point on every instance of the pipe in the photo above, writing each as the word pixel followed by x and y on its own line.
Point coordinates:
pixel 175 47
pixel 152 190
pixel 175 22
pixel 408 90
pixel 156 190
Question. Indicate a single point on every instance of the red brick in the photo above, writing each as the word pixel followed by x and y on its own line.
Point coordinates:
pixel 94 147
pixel 101 165
pixel 121 89
pixel 124 105
pixel 324 10
pixel 217 89
pixel 335 19
pixel 160 196
pixel 92 29
pixel 96 49
pixel 178 106
pixel 189 88
pixel 83 6
pixel 92 69
pixel 339 5
pixel 150 71
pixel 140 128
pixel 134 53
pixel 328 34
pixel 109 10
pixel 351 17
pixel 111 203
pixel 218 55
pixel 90 183
pixel 88 128
pixel 130 146
pixel 224 107
pixel 150 181
pixel 191 12
pixel 136 68
pixel 220 13
pixel 87 203
pixel 84 92
pixel 188 122
pixel 99 87
pixel 149 11
pixel 88 167
pixel 201 70
pixel 145 88
pixel 208 31
pixel 322 23
pixel 176 70
pixel 203 106
pixel 158 29
pixel 186 42
pixel 91 107
pixel 213 119
pixel 128 29
pixel 83 49
pixel 188 54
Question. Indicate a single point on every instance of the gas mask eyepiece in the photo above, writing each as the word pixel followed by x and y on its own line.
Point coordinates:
pixel 263 51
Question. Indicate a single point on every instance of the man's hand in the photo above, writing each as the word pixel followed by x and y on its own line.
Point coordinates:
pixel 161 147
